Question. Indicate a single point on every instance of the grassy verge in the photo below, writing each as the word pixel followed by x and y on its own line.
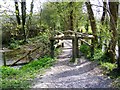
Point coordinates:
pixel 104 61
pixel 21 78
pixel 99 56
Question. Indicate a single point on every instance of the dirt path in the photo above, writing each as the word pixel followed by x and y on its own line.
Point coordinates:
pixel 63 74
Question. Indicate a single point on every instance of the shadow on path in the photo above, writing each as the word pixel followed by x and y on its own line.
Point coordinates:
pixel 63 74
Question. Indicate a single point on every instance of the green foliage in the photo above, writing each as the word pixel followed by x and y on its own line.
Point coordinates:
pixel 56 15
pixel 36 65
pixel 9 72
pixel 98 54
pixel 15 44
pixel 108 66
pixel 85 49
pixel 20 78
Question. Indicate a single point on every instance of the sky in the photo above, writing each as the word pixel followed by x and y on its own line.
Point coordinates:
pixel 8 6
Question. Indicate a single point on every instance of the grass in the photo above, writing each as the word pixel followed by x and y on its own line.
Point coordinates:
pixel 21 78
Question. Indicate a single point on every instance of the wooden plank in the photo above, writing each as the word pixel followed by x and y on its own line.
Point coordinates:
pixel 20 59
pixel 28 53
pixel 85 42
pixel 18 64
pixel 64 37
pixel 85 37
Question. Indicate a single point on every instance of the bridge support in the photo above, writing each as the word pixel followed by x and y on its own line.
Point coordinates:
pixel 52 48
pixel 92 48
pixel 73 50
pixel 77 46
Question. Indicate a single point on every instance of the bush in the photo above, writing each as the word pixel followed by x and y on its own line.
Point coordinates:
pixel 108 66
pixel 85 49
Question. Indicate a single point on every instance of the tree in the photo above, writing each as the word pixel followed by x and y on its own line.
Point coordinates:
pixel 118 61
pixel 113 7
pixel 103 22
pixel 17 12
pixel 104 12
pixel 92 20
pixel 71 16
pixel 23 8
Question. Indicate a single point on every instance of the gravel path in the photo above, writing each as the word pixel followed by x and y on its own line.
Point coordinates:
pixel 83 74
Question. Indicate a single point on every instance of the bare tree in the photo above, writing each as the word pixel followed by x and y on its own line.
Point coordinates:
pixel 118 46
pixel 92 19
pixel 71 16
pixel 104 12
pixel 113 7
pixel 17 12
pixel 23 8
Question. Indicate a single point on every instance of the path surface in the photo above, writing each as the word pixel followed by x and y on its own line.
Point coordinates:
pixel 63 74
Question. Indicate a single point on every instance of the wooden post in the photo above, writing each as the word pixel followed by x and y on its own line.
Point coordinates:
pixel 73 49
pixel 52 48
pixel 81 41
pixel 4 60
pixel 63 44
pixel 92 48
pixel 77 46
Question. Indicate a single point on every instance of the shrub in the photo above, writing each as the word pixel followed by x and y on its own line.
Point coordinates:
pixel 85 49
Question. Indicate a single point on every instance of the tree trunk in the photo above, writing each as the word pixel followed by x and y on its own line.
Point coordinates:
pixel 104 12
pixel 30 19
pixel 31 11
pixel 118 61
pixel 118 51
pixel 92 20
pixel 113 7
pixel 23 8
pixel 71 16
pixel 17 12
pixel 102 22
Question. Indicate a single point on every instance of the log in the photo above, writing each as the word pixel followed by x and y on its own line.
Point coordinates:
pixel 28 53
pixel 18 64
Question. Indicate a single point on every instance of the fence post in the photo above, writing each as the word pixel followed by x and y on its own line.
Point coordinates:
pixel 4 60
pixel 77 46
pixel 52 47
pixel 73 49
pixel 92 48
pixel 62 44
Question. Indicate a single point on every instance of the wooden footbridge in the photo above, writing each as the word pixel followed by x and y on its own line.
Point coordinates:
pixel 75 37
pixel 67 35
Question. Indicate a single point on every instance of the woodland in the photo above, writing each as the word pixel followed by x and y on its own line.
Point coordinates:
pixel 25 37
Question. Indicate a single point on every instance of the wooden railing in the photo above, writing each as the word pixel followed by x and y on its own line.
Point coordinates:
pixel 74 36
pixel 15 63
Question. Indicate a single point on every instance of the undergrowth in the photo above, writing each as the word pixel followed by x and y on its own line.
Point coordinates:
pixel 99 56
pixel 104 61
